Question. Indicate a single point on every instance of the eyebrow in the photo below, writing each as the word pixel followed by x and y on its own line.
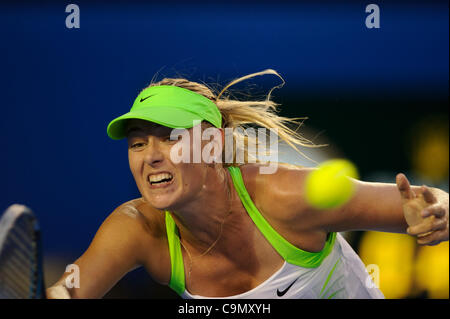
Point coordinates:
pixel 133 129
pixel 142 129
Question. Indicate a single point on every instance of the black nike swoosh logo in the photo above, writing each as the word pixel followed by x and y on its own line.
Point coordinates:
pixel 143 99
pixel 282 293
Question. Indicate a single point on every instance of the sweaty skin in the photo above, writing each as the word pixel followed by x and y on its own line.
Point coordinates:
pixel 134 234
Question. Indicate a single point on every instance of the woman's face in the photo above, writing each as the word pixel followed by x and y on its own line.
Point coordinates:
pixel 163 183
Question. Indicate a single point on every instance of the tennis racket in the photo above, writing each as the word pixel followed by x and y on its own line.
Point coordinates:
pixel 21 273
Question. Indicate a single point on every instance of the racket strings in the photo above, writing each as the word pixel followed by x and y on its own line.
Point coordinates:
pixel 18 261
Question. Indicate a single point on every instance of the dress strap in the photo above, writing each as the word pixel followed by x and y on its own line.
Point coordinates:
pixel 177 280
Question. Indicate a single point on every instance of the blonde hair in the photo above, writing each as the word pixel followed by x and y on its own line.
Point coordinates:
pixel 245 114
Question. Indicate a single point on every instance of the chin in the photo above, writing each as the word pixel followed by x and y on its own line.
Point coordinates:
pixel 161 202
pixel 158 204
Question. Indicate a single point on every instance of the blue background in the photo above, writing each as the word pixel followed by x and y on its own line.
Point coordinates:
pixel 60 87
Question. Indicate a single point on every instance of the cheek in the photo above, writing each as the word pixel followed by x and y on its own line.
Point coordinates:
pixel 134 165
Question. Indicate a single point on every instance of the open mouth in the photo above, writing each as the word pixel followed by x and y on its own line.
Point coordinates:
pixel 160 179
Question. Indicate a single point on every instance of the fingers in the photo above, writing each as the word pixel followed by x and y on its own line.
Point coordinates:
pixel 404 187
pixel 434 238
pixel 428 195
pixel 428 225
pixel 58 292
pixel 437 210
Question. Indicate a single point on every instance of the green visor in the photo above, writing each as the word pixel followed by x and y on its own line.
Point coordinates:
pixel 170 106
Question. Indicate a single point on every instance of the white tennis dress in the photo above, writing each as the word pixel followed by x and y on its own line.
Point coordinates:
pixel 334 272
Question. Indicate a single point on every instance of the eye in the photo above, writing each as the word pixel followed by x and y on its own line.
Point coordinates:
pixel 137 145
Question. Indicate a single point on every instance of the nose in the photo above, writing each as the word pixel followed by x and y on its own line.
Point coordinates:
pixel 153 153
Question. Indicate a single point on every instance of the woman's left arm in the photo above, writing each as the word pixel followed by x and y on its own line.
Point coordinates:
pixel 386 207
pixel 390 208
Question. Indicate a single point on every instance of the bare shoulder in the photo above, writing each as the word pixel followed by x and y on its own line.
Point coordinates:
pixel 140 229
pixel 279 198
pixel 138 212
pixel 131 226
pixel 121 244
pixel 281 169
pixel 279 194
pixel 132 231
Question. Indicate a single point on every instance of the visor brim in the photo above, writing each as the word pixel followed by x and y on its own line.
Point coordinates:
pixel 166 116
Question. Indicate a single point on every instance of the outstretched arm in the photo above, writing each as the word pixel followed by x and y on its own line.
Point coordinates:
pixel 417 210
pixel 116 249
pixel 384 207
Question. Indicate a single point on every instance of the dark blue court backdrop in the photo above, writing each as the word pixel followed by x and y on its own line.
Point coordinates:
pixel 60 87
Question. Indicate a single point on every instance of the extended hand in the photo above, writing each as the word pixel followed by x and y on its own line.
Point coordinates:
pixel 426 212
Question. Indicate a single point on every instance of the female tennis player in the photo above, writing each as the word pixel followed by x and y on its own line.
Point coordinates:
pixel 218 229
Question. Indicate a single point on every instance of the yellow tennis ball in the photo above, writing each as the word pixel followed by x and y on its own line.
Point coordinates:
pixel 329 185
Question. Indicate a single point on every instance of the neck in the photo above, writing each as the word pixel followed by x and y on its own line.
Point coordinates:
pixel 201 221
